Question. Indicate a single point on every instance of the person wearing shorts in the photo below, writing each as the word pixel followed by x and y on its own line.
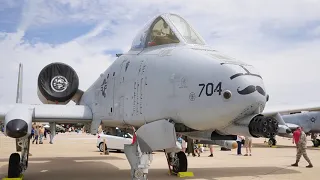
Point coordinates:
pixel 248 145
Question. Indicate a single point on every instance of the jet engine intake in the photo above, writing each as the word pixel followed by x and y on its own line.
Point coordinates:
pixel 57 84
pixel 18 122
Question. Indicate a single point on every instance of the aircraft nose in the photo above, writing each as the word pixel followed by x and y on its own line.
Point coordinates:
pixel 246 85
pixel 16 128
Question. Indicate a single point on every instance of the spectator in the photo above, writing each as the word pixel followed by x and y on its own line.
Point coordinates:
pixel 36 135
pixel 248 145
pixel 211 150
pixel 239 139
pixel 300 139
pixel 190 147
pixel 41 134
pixel 32 133
pixel 45 133
pixel 196 150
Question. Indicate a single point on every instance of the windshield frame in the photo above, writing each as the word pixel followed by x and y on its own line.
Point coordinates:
pixel 144 32
pixel 178 33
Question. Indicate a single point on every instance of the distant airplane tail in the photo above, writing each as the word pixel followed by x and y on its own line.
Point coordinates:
pixel 19 85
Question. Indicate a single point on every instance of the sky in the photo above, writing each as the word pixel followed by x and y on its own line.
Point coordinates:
pixel 280 38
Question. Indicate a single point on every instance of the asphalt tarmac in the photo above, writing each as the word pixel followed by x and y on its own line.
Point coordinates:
pixel 75 157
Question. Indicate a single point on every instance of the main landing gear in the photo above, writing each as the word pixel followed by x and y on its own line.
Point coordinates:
pixel 315 141
pixel 18 164
pixel 139 153
pixel 177 162
pixel 272 142
pixel 139 161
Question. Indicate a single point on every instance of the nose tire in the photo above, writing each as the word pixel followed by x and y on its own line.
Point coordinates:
pixel 14 168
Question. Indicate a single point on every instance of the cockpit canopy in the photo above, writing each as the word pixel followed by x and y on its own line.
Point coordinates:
pixel 166 29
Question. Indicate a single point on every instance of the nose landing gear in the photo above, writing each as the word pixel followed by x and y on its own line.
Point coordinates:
pixel 18 164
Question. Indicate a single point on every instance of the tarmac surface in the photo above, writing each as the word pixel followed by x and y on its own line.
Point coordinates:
pixel 75 157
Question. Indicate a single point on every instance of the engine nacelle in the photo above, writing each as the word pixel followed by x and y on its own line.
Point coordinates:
pixel 57 84
pixel 253 126
pixel 18 122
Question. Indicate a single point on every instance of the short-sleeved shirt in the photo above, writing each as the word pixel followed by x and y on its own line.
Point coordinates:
pixel 36 132
pixel 239 138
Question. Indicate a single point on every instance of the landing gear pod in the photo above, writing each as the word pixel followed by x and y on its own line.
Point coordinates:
pixel 57 84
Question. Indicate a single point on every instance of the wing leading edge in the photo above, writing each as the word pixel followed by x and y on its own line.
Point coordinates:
pixel 52 113
pixel 286 108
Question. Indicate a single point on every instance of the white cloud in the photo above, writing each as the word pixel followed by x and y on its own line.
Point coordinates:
pixel 241 30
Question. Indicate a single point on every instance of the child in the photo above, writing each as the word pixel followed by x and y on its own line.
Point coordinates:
pixel 196 150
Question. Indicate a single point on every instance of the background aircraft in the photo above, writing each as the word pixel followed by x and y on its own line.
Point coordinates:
pixel 169 82
pixel 309 121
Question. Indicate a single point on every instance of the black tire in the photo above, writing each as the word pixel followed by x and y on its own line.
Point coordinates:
pixel 101 148
pixel 316 142
pixel 183 163
pixel 272 142
pixel 14 169
pixel 58 82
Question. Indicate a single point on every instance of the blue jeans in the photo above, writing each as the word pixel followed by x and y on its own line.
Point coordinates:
pixel 40 138
pixel 239 147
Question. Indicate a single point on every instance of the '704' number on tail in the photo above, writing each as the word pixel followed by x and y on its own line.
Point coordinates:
pixel 209 89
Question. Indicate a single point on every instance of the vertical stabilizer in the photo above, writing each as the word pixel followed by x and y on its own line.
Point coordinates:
pixel 19 85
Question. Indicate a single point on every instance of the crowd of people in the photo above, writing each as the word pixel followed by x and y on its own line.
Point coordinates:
pixel 39 133
pixel 299 139
pixel 190 146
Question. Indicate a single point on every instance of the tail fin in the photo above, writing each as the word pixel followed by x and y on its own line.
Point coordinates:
pixel 19 85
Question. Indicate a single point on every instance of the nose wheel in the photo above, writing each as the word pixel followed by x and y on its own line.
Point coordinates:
pixel 17 163
pixel 14 169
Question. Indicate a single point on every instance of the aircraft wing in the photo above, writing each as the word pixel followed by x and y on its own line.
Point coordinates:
pixel 51 113
pixel 286 108
pixel 276 111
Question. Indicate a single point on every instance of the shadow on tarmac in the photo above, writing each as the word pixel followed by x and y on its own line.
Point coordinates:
pixel 282 146
pixel 67 168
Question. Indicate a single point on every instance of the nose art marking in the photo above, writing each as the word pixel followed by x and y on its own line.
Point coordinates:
pixel 251 89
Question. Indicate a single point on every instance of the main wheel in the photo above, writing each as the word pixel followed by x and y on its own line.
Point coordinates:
pixel 181 162
pixel 14 168
pixel 272 142
pixel 316 142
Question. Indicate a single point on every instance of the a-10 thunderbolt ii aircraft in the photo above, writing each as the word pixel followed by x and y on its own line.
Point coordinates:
pixel 169 82
pixel 308 120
